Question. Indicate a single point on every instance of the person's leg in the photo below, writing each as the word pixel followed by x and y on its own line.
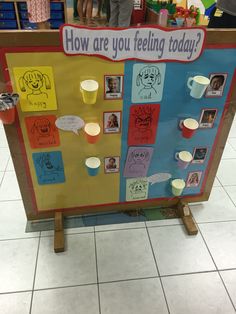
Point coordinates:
pixel 100 2
pixel 126 8
pixel 114 13
pixel 80 10
pixel 43 25
pixel 89 12
pixel 75 13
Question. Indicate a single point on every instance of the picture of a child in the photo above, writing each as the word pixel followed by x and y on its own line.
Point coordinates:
pixel 207 118
pixel 217 83
pixel 194 179
pixel 111 163
pixel 112 121
pixel 113 87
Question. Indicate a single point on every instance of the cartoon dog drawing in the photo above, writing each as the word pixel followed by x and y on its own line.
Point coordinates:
pixel 43 131
pixel 148 77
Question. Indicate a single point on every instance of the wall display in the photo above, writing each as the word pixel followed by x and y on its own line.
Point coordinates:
pixel 140 97
pixel 36 88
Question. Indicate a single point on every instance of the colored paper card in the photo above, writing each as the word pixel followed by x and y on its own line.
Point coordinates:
pixel 49 167
pixel 148 82
pixel 42 131
pixel 36 88
pixel 136 189
pixel 138 161
pixel 143 121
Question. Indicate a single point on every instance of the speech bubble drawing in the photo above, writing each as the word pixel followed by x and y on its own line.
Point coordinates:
pixel 70 123
pixel 159 177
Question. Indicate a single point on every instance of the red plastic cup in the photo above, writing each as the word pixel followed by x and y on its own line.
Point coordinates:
pixel 189 127
pixel 92 132
pixel 8 116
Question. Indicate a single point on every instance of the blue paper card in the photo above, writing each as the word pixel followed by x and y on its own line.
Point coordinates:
pixel 148 82
pixel 49 167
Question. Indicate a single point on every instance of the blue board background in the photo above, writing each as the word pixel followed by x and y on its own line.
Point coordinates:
pixel 176 103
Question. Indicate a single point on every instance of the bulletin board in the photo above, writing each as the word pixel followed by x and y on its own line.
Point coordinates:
pixel 144 141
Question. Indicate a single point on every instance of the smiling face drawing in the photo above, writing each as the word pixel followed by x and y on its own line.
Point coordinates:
pixel 42 127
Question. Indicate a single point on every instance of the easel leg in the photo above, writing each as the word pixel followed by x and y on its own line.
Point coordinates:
pixel 184 212
pixel 59 241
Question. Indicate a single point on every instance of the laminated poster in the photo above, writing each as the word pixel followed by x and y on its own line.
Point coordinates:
pixel 36 88
pixel 49 167
pixel 143 121
pixel 138 161
pixel 42 131
pixel 136 189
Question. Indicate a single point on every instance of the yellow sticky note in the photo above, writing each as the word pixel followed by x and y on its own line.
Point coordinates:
pixel 218 13
pixel 36 88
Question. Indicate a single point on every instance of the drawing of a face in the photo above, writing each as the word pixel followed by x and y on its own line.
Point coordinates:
pixel 138 188
pixel 143 118
pixel 34 80
pixel 148 76
pixel 47 162
pixel 42 127
pixel 139 156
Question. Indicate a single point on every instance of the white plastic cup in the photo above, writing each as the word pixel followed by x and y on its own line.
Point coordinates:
pixel 198 85
pixel 184 159
pixel 178 186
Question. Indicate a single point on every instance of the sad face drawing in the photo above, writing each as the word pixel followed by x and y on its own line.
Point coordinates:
pixel 148 79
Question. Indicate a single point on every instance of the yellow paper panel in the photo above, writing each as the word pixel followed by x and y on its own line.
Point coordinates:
pixel 79 189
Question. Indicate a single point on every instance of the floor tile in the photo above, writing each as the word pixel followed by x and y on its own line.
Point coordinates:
pixel 133 297
pixel 221 238
pixel 176 252
pixel 229 278
pixel 1 176
pixel 219 207
pixel 10 166
pixel 197 293
pixel 9 189
pixel 232 142
pixel 81 300
pixel 120 226
pixel 15 303
pixel 75 266
pixel 225 174
pixel 216 182
pixel 3 139
pixel 164 222
pixel 17 264
pixel 69 231
pixel 124 254
pixel 229 152
pixel 4 157
pixel 13 221
pixel 231 190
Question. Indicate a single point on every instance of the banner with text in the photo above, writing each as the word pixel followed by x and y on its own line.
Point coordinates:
pixel 144 43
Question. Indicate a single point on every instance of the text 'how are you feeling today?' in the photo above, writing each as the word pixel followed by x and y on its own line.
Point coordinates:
pixel 145 43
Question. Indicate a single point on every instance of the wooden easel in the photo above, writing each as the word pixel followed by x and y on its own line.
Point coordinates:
pixel 59 240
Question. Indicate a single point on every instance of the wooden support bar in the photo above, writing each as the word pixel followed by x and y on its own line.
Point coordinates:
pixel 185 214
pixel 59 241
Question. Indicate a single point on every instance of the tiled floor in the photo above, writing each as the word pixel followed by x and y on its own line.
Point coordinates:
pixel 136 268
